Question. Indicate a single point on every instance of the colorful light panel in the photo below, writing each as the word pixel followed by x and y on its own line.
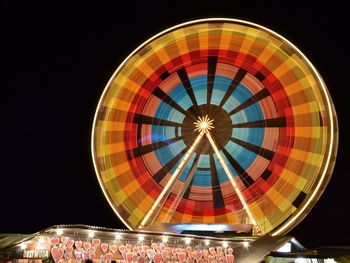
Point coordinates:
pixel 275 127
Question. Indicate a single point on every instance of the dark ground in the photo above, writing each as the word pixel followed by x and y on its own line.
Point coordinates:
pixel 56 60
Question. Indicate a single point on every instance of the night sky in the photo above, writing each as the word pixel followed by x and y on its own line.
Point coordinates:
pixel 56 60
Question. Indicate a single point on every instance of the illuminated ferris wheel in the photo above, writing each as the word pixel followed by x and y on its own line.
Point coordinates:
pixel 215 121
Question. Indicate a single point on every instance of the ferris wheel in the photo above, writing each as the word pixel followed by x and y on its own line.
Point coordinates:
pixel 215 121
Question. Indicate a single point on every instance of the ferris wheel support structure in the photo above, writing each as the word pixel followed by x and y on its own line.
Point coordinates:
pixel 203 126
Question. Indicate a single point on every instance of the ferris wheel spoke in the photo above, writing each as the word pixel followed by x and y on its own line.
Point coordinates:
pixel 266 153
pixel 158 92
pixel 254 99
pixel 212 61
pixel 172 180
pixel 144 119
pixel 188 190
pixel 270 123
pixel 235 82
pixel 182 73
pixel 144 149
pixel 158 176
pixel 243 175
pixel 215 184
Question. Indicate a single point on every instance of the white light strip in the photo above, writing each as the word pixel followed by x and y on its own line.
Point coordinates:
pixel 232 180
pixel 172 179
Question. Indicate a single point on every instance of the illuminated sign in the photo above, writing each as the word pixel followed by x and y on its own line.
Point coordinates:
pixel 42 253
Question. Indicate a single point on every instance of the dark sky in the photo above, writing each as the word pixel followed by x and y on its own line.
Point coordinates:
pixel 56 60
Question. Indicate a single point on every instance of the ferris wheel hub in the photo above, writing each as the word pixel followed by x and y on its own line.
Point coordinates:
pixel 204 124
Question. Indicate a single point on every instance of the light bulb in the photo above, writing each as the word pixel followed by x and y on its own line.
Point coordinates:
pixel 41 240
pixel 23 246
pixel 59 231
